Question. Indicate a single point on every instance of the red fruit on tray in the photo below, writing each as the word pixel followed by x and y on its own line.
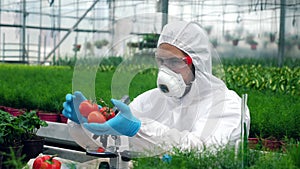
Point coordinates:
pixel 100 150
pixel 86 107
pixel 96 117
pixel 46 162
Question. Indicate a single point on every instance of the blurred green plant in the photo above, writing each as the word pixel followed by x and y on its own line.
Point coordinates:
pixel 31 123
pixel 10 131
pixel 71 61
pixel 100 43
pixel 263 61
pixel 219 158
pixel 282 80
pixel 274 112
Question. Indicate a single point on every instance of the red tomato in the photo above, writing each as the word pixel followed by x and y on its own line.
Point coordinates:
pixel 103 109
pixel 107 112
pixel 86 107
pixel 111 115
pixel 96 117
pixel 100 150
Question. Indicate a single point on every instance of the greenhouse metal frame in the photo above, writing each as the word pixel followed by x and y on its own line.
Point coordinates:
pixel 38 32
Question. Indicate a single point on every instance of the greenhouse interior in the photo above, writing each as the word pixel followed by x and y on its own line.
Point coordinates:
pixel 108 49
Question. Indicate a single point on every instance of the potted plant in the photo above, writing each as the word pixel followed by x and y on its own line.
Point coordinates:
pixel 253 44
pixel 235 41
pixel 33 144
pixel 298 43
pixel 100 43
pixel 290 41
pixel 214 42
pixel 208 29
pixel 272 36
pixel 270 144
pixel 88 45
pixel 11 135
pixel 12 111
pixel 76 47
pixel 48 116
pixel 149 41
pixel 227 36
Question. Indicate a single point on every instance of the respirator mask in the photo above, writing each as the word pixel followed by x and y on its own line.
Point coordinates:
pixel 170 83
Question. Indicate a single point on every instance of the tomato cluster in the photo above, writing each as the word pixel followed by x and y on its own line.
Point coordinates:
pixel 92 112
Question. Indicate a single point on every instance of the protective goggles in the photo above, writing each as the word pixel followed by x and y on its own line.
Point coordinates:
pixel 174 63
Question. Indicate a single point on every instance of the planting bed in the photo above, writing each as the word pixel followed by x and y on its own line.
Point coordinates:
pixel 273 93
pixel 274 112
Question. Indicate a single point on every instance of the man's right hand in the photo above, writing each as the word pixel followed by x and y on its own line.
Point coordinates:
pixel 71 107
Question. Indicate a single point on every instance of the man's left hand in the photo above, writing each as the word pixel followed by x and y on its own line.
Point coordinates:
pixel 124 123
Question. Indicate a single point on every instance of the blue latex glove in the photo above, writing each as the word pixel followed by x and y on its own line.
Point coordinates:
pixel 124 123
pixel 166 158
pixel 71 107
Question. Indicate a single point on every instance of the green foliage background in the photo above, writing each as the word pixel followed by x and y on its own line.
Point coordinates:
pixel 274 92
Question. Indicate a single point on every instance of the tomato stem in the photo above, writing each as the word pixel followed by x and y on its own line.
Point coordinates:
pixel 51 158
pixel 106 105
pixel 102 101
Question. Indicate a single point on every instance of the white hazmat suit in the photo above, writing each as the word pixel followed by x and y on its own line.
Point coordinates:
pixel 209 114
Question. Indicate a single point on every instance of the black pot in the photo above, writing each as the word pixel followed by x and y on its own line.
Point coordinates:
pixel 6 152
pixel 32 148
pixel 1 157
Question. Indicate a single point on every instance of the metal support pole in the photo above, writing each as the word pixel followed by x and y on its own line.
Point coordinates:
pixel 59 24
pixel 75 47
pixel 0 21
pixel 40 36
pixel 3 47
pixel 201 17
pixel 45 46
pixel 223 17
pixel 71 29
pixel 24 32
pixel 244 133
pixel 112 24
pixel 162 6
pixel 39 50
pixel 84 47
pixel 281 33
pixel 27 51
pixel 53 32
pixel 76 37
pixel 165 6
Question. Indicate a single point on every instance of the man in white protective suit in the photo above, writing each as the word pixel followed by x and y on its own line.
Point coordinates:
pixel 190 108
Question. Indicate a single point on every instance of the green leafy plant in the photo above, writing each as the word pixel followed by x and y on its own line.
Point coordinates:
pixel 218 158
pixel 252 42
pixel 10 130
pixel 100 43
pixel 214 42
pixel 208 29
pixel 274 112
pixel 298 43
pixel 235 37
pixel 283 80
pixel 66 61
pixel 88 45
pixel 149 41
pixel 30 122
pixel 15 161
pixel 272 36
